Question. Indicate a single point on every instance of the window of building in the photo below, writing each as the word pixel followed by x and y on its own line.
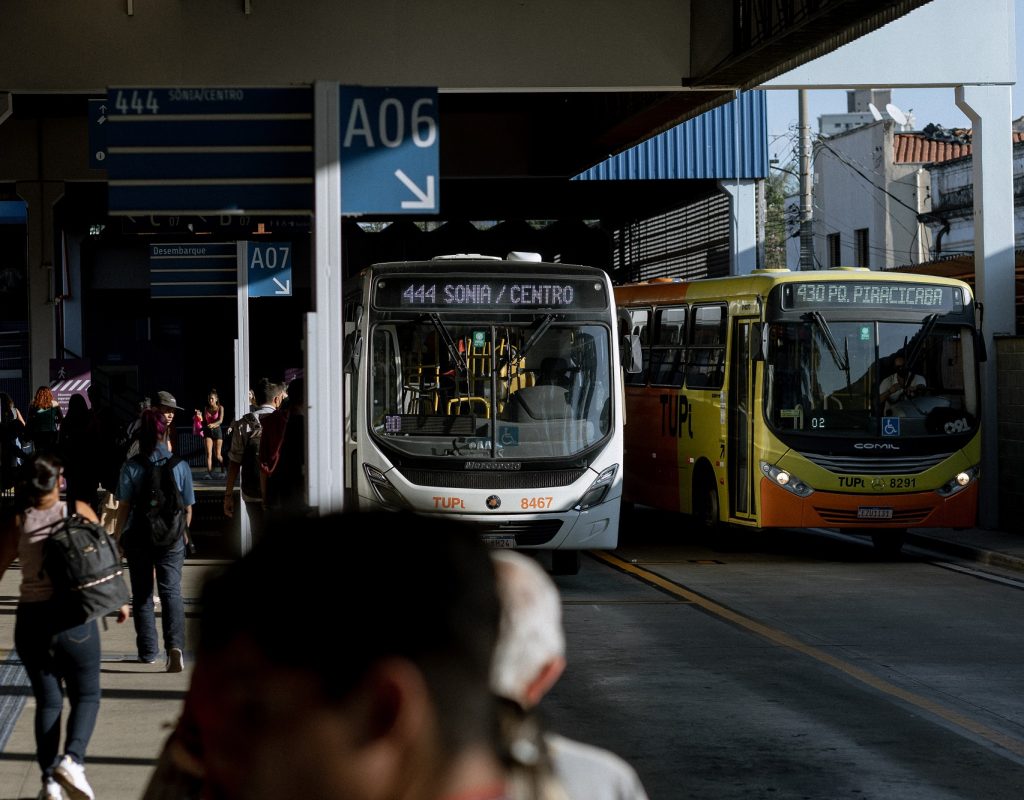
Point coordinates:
pixel 860 247
pixel 835 257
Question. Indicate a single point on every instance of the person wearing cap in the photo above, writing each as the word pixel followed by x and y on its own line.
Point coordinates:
pixel 169 407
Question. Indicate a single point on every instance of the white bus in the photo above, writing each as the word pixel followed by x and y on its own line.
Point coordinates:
pixel 488 389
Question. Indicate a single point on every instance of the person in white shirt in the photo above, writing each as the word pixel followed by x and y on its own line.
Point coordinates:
pixel 529 658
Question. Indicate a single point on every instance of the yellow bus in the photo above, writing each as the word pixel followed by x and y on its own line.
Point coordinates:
pixel 845 398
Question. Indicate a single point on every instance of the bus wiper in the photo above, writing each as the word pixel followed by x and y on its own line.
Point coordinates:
pixel 919 339
pixel 541 329
pixel 459 359
pixel 841 361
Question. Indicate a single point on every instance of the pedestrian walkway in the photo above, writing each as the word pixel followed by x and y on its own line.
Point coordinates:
pixel 141 701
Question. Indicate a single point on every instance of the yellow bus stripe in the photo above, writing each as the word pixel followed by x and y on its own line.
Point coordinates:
pixel 782 639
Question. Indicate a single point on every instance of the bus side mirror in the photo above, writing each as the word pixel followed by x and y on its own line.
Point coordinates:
pixel 353 345
pixel 979 336
pixel 632 355
pixel 759 341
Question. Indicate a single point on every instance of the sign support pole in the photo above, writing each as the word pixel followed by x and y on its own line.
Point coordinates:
pixel 242 378
pixel 325 430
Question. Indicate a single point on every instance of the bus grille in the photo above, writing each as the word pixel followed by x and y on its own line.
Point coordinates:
pixel 527 532
pixel 877 464
pixel 841 517
pixel 488 479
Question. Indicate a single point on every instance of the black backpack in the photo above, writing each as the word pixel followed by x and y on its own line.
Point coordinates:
pixel 83 562
pixel 159 516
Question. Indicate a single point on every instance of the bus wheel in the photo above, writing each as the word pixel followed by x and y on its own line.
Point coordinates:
pixel 888 542
pixel 705 500
pixel 565 562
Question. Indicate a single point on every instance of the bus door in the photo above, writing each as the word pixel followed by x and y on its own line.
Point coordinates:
pixel 741 466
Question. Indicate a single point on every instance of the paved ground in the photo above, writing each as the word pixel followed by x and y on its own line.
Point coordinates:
pixel 140 701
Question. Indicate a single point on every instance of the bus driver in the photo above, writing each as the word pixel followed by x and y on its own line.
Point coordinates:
pixel 900 385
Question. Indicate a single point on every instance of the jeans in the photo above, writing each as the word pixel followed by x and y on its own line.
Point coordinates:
pixel 143 559
pixel 71 656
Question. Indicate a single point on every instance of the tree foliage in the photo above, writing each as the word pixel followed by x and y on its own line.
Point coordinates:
pixel 780 184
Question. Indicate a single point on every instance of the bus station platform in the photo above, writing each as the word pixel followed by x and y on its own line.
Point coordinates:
pixel 142 701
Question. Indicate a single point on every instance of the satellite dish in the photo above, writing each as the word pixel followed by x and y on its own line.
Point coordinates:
pixel 896 114
pixel 875 112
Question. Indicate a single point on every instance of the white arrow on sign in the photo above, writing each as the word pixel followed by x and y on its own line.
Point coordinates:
pixel 283 288
pixel 426 199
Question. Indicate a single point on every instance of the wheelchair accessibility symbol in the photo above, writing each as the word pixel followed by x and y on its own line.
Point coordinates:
pixel 508 436
pixel 890 426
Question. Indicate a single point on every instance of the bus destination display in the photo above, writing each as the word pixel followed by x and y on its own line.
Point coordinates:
pixel 495 294
pixel 869 294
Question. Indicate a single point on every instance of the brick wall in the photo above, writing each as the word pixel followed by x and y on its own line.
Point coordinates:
pixel 1010 409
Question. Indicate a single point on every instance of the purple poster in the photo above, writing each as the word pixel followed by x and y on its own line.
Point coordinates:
pixel 69 376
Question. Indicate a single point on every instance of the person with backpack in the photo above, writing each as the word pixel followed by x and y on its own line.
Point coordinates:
pixel 244 455
pixel 155 498
pixel 54 654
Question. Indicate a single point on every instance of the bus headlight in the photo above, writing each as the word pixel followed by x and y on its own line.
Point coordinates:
pixel 959 482
pixel 787 480
pixel 598 489
pixel 386 493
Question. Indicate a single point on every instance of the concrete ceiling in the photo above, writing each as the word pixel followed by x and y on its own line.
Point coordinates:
pixel 528 89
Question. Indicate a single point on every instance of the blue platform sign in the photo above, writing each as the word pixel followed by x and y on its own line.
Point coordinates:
pixel 186 270
pixel 207 150
pixel 269 266
pixel 390 161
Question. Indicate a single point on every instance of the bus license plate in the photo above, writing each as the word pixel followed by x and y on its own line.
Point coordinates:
pixel 874 512
pixel 500 542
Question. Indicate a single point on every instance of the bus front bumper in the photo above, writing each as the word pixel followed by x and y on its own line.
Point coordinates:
pixel 928 509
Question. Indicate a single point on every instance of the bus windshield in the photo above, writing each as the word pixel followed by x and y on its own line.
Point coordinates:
pixel 445 388
pixel 877 378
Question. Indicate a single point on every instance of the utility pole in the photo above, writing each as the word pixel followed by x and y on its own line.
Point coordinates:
pixel 806 237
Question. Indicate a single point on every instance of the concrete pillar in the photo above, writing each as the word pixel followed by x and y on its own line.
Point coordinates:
pixel 743 216
pixel 41 198
pixel 989 109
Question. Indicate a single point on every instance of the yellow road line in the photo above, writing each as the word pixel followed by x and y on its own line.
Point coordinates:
pixel 782 639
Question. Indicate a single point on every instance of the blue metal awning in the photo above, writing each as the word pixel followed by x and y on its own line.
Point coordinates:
pixel 730 141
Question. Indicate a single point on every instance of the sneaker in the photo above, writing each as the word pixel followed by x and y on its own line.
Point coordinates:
pixel 144 660
pixel 71 775
pixel 175 660
pixel 50 790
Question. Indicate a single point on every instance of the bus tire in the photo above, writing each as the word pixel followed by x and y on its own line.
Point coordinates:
pixel 888 542
pixel 565 562
pixel 706 508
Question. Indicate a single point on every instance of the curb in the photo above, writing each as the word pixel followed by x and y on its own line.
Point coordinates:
pixel 967 552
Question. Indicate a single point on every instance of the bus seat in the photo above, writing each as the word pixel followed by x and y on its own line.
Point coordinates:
pixel 537 403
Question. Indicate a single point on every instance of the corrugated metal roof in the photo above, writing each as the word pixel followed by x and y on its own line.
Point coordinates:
pixel 730 141
pixel 918 148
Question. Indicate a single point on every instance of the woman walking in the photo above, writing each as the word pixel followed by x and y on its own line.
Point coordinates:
pixel 55 657
pixel 146 558
pixel 213 433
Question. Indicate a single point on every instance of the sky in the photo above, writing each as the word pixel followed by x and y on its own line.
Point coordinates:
pixel 926 105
